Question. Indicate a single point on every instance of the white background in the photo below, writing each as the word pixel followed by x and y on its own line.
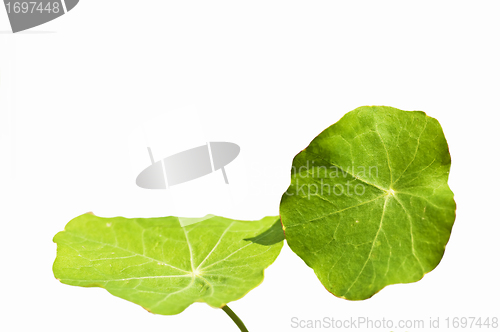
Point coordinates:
pixel 83 96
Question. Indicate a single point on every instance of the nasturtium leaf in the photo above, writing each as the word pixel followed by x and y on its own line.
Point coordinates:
pixel 369 204
pixel 166 264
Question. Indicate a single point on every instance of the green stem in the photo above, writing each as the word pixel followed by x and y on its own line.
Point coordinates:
pixel 235 318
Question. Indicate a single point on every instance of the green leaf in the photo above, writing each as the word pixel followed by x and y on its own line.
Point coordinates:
pixel 166 264
pixel 369 204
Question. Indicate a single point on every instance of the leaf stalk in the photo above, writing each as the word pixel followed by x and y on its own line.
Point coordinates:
pixel 235 318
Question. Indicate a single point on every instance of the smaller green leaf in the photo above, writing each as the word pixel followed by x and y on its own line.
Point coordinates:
pixel 166 264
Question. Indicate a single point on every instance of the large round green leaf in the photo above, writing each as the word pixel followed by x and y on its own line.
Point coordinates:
pixel 369 204
pixel 166 264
